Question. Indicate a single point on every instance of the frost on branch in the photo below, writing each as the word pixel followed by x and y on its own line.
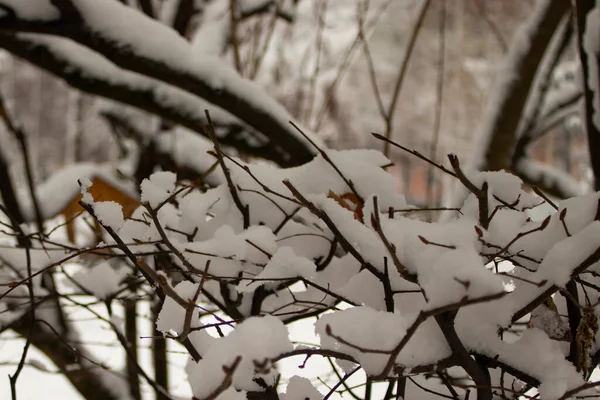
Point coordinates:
pixel 395 295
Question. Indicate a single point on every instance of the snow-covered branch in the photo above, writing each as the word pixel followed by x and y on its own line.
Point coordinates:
pixel 89 71
pixel 441 303
pixel 395 296
pixel 551 180
pixel 135 42
pixel 238 254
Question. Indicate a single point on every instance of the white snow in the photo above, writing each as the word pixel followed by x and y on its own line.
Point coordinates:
pixel 125 27
pixel 299 388
pixel 257 341
pixel 550 177
pixel 378 330
pixel 567 254
pixel 172 315
pixel 33 10
pixel 110 213
pixel 188 150
pixel 451 261
pixel 101 280
pixel 284 264
pixel 212 37
pixel 158 188
pixel 165 180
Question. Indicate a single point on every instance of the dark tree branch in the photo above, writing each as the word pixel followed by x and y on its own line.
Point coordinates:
pixel 478 373
pixel 183 15
pixel 9 197
pixel 574 319
pixel 16 130
pixel 159 353
pixel 506 106
pixel 147 8
pixel 544 80
pixel 131 334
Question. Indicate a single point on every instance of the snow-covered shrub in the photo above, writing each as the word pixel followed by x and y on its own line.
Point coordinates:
pixel 396 296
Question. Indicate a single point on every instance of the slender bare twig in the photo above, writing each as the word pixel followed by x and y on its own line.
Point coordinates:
pixel 233 26
pixel 340 382
pixel 244 208
pixel 27 244
pixel 322 9
pixel 414 153
pixel 191 305
pixel 376 223
pixel 480 193
pixel 412 39
pixel 326 157
pixel 146 272
pixel 370 63
pixel 17 131
pixel 345 64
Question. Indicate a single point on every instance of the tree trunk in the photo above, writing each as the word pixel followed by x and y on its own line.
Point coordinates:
pixel 507 102
pixel 582 8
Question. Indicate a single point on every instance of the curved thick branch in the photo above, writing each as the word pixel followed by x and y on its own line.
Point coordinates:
pixel 551 180
pixel 88 71
pixel 157 51
pixel 512 87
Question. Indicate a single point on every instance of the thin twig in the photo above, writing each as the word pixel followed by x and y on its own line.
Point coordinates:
pixel 244 209
pixel 27 244
pixel 412 39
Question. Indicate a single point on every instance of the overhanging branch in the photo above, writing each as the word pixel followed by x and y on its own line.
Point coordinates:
pixel 71 62
pixel 157 51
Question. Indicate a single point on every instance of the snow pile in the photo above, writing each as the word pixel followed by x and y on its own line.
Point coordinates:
pixel 158 188
pixel 110 213
pixel 300 389
pixel 247 352
pixel 172 316
pixel 370 332
pixel 102 280
pixel 283 264
pixel 33 10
